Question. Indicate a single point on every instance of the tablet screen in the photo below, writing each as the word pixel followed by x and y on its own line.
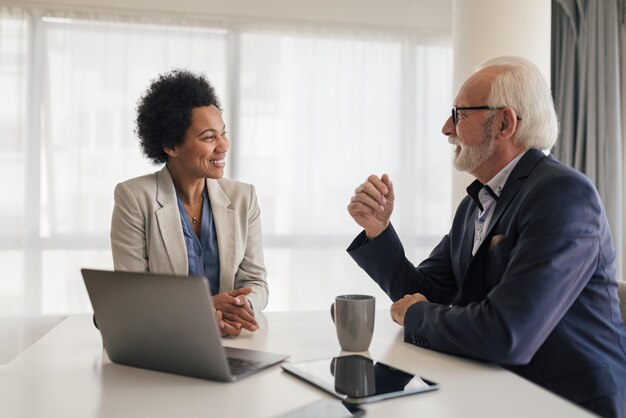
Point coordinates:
pixel 358 379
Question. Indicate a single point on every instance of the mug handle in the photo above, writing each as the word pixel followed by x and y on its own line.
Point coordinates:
pixel 332 311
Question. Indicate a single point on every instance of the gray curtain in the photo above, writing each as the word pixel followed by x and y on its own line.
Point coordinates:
pixel 586 88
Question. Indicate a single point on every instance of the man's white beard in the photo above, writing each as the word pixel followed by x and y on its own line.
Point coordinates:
pixel 472 157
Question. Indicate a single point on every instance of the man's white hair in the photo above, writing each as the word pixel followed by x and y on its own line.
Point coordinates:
pixel 521 86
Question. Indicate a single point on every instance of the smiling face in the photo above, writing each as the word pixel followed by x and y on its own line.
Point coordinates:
pixel 203 151
pixel 469 157
pixel 472 135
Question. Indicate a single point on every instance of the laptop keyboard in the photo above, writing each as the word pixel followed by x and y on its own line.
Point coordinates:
pixel 239 366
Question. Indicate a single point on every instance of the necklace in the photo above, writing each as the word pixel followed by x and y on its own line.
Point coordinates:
pixel 194 220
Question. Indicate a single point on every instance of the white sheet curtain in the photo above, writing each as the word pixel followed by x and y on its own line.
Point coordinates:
pixel 311 113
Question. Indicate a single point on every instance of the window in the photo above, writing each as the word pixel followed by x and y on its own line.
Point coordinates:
pixel 311 115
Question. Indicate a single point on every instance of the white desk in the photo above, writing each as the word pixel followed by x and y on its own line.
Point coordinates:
pixel 20 332
pixel 66 374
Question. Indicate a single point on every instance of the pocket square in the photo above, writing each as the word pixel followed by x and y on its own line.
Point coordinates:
pixel 495 240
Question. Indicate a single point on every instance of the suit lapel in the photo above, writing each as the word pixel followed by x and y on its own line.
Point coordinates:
pixel 468 241
pixel 522 170
pixel 472 287
pixel 168 218
pixel 225 228
pixel 469 228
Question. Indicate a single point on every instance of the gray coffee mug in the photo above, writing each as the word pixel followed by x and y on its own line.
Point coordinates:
pixel 353 316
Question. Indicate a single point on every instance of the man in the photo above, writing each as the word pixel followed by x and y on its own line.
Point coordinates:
pixel 526 277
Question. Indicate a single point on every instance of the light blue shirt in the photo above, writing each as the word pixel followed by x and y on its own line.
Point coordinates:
pixel 202 254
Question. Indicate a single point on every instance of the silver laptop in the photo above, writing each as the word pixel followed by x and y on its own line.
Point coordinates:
pixel 166 323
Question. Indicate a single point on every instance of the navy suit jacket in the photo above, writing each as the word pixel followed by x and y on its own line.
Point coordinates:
pixel 539 296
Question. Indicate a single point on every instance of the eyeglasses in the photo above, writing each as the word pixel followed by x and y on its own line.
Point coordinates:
pixel 455 111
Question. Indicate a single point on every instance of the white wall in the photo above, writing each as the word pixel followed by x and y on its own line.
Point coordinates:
pixel 483 29
pixel 427 16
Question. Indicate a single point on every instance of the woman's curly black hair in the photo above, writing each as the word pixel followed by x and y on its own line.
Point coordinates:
pixel 164 111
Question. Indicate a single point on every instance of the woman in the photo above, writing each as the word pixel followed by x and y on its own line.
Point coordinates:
pixel 186 218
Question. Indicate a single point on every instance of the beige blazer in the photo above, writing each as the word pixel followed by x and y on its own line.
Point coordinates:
pixel 147 235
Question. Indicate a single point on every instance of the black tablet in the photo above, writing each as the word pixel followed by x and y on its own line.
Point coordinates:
pixel 357 379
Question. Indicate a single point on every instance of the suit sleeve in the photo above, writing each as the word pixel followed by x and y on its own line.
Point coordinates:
pixel 251 271
pixel 128 233
pixel 560 224
pixel 384 260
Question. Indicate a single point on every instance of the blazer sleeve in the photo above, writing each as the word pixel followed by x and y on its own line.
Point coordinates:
pixel 557 251
pixel 128 233
pixel 251 271
pixel 384 260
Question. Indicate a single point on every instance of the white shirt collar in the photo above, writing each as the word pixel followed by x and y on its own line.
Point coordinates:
pixel 499 180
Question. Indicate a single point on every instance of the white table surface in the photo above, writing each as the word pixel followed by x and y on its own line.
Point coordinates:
pixel 17 333
pixel 67 374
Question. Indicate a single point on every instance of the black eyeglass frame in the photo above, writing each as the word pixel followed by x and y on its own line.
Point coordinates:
pixel 455 110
